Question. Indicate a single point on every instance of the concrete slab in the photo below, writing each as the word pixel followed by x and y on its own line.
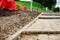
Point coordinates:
pixel 54 37
pixel 44 25
pixel 51 14
pixel 41 37
pixel 49 17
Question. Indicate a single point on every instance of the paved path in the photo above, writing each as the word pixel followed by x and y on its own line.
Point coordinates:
pixel 45 25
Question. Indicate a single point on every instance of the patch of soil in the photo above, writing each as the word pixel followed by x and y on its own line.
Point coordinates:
pixel 11 21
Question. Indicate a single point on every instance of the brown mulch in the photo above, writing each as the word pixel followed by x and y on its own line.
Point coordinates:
pixel 11 21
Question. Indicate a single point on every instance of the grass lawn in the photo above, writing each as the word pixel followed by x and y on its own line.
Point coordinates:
pixel 36 6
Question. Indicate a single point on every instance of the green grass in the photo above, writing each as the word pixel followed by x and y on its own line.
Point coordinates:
pixel 36 6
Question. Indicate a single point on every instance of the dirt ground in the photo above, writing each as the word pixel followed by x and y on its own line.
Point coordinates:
pixel 11 21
